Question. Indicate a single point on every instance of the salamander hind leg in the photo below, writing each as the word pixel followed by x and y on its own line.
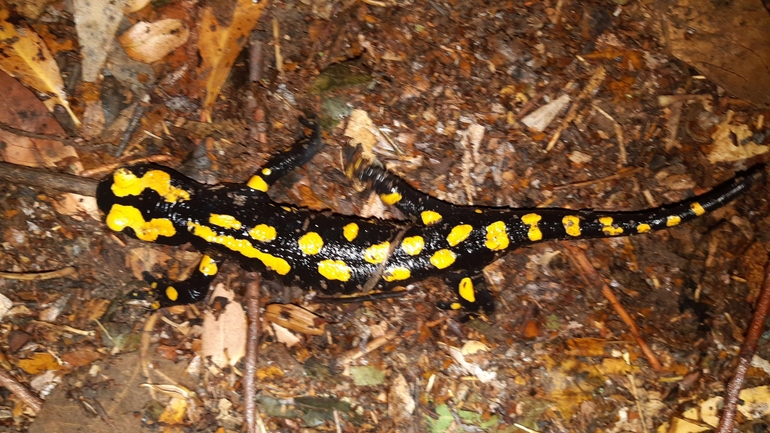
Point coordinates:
pixel 472 294
pixel 394 191
pixel 298 154
pixel 165 293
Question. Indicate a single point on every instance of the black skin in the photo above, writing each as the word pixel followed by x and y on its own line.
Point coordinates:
pixel 252 207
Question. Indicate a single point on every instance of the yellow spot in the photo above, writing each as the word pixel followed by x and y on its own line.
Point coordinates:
pixel 466 290
pixel 391 199
pixel 442 258
pixel 121 217
pixel 497 236
pixel 310 243
pixel 350 231
pixel 155 305
pixel 429 217
pixel 673 220
pixel 413 245
pixel 267 171
pixel 171 293
pixel 256 182
pixel 226 221
pixel 397 274
pixel 263 233
pixel 697 209
pixel 334 270
pixel 531 219
pixel 643 228
pixel 208 266
pixel 377 253
pixel 455 306
pixel 459 234
pixel 242 246
pixel 571 225
pixel 478 211
pixel 608 228
pixel 126 183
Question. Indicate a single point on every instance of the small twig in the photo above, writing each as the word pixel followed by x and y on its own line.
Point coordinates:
pixel 639 406
pixel 375 278
pixel 525 428
pixel 621 173
pixel 23 133
pixel 37 276
pixel 109 168
pixel 375 344
pixel 20 391
pixel 337 421
pixel 132 125
pixel 144 349
pixel 375 3
pixel 593 83
pixel 592 277
pixel 252 346
pixel 622 156
pixel 748 348
pixel 46 180
pixel 256 58
pixel 277 46
pixel 65 328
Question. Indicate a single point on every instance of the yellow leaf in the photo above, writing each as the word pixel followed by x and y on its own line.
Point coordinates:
pixel 219 45
pixel 174 412
pixel 27 58
pixel 39 363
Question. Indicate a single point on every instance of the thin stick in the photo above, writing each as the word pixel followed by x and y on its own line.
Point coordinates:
pixel 132 125
pixel 20 391
pixel 23 133
pixel 592 277
pixel 37 276
pixel 622 173
pixel 109 168
pixel 748 349
pixel 371 346
pixel 252 342
pixel 46 180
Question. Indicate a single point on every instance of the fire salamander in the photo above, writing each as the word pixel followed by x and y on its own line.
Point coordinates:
pixel 339 254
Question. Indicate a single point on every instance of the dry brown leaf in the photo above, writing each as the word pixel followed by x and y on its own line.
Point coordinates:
pixel 150 42
pixel 96 22
pixel 27 58
pixel 224 336
pixel 296 318
pixel 732 142
pixel 726 41
pixel 220 45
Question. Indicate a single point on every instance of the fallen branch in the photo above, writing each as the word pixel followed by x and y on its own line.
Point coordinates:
pixel 46 179
pixel 20 391
pixel 748 349
pixel 252 341
pixel 592 277
pixel 38 276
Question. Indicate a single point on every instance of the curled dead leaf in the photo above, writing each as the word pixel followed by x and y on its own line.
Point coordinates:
pixel 150 42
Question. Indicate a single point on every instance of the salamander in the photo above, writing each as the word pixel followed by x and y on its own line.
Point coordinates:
pixel 342 254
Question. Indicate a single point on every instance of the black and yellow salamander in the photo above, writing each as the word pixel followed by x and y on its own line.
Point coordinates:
pixel 339 254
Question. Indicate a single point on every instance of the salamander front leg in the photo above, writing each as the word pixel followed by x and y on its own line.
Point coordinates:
pixel 166 293
pixel 299 153
pixel 472 294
